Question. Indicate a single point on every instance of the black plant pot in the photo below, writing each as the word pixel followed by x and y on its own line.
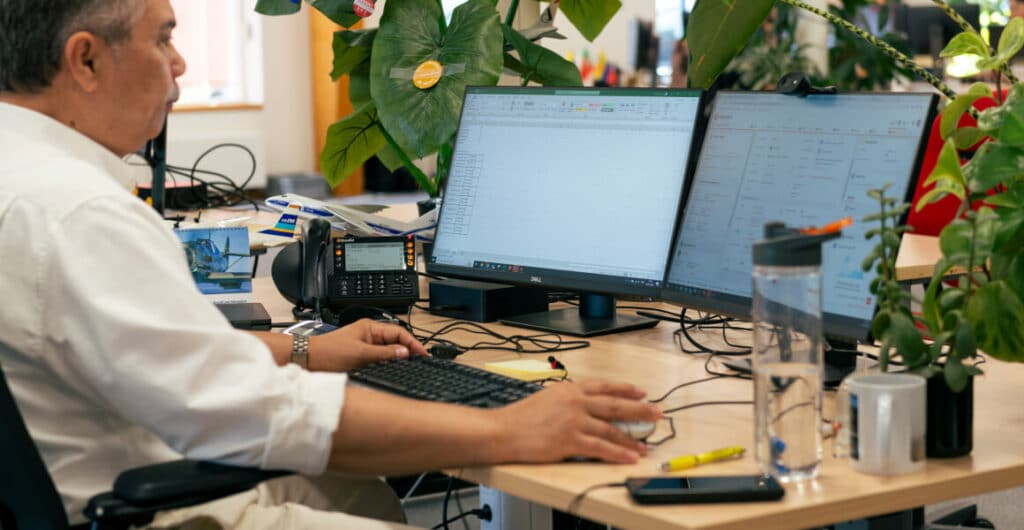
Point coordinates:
pixel 426 205
pixel 950 419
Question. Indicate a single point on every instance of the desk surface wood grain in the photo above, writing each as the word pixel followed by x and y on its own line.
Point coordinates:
pixel 652 360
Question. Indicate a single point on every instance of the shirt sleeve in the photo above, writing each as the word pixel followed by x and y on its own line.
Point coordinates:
pixel 152 349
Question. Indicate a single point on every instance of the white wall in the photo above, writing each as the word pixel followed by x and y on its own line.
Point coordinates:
pixel 281 133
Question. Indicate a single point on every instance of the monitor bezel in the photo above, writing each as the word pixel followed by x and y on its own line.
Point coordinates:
pixel 561 280
pixel 835 326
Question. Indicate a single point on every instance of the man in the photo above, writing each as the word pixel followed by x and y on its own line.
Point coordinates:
pixel 117 361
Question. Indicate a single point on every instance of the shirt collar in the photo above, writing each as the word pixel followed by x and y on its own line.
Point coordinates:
pixel 38 127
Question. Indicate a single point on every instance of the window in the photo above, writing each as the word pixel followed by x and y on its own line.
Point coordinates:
pixel 221 41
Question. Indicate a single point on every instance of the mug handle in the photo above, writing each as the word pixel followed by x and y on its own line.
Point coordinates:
pixel 883 428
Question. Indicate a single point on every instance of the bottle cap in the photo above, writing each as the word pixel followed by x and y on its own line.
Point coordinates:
pixel 790 247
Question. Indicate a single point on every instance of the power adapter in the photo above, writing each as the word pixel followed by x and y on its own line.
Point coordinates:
pixel 444 351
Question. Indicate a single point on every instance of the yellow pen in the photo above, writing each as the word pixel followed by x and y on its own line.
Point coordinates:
pixel 688 461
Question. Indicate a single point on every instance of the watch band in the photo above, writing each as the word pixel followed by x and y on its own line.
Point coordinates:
pixel 300 350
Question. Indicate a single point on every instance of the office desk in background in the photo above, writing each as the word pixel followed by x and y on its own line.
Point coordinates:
pixel 651 360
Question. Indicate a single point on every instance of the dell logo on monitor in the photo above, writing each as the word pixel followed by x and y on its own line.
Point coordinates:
pixel 535 279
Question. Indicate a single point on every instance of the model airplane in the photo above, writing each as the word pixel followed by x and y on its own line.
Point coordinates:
pixel 359 221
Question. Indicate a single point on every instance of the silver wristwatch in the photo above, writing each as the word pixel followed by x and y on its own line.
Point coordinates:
pixel 300 350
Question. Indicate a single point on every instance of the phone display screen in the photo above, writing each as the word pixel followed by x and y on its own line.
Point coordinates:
pixel 375 256
pixel 702 483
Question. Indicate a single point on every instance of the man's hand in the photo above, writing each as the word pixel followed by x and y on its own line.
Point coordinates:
pixel 571 420
pixel 360 343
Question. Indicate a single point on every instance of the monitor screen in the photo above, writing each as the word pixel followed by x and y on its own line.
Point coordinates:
pixel 567 189
pixel 805 162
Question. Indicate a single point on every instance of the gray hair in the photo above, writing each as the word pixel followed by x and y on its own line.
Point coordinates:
pixel 33 34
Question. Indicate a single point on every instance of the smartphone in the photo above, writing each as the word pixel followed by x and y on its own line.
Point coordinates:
pixel 672 490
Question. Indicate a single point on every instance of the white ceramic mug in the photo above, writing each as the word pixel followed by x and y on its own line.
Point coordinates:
pixel 887 423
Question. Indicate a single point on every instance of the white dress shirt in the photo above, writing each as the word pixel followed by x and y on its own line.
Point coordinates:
pixel 114 357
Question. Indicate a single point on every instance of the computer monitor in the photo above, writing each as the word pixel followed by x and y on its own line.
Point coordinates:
pixel 567 189
pixel 803 161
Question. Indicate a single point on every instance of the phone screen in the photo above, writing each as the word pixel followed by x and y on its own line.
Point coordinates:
pixel 704 489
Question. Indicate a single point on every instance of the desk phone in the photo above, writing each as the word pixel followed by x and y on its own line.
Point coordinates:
pixel 373 271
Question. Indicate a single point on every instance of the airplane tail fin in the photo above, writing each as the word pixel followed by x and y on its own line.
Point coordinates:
pixel 284 227
pixel 423 226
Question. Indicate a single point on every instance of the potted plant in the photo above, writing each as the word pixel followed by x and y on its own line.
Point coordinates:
pixel 408 75
pixel 983 309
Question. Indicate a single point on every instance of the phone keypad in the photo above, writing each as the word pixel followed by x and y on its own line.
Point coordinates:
pixel 375 284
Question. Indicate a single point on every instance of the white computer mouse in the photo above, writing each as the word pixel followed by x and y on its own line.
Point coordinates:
pixel 638 430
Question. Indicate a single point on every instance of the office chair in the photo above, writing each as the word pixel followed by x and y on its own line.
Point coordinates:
pixel 29 499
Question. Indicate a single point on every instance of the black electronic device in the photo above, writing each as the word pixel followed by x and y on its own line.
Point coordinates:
pixel 433 379
pixel 569 190
pixel 674 490
pixel 804 161
pixel 332 273
pixel 483 301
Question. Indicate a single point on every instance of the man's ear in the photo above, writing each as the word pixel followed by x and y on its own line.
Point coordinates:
pixel 82 54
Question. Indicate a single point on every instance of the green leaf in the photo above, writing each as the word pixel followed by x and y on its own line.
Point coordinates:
pixel 963 342
pixel 1006 121
pixel 940 340
pixel 540 64
pixel 1003 200
pixel 589 16
pixel 351 49
pixel 967 42
pixel 950 299
pixel 420 120
pixel 966 137
pixel 947 177
pixel 906 339
pixel 389 158
pixel 993 164
pixel 880 324
pixel 350 142
pixel 956 108
pixel 1009 44
pixel 716 33
pixel 955 241
pixel 956 375
pixel 996 315
pixel 277 7
pixel 930 309
pixel 359 85
pixel 339 11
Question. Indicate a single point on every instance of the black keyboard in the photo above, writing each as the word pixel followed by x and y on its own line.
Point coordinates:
pixel 432 379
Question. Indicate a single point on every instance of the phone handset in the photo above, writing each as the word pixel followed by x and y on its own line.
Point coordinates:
pixel 316 234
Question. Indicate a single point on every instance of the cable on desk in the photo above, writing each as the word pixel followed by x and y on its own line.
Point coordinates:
pixel 484 513
pixel 526 344
pixel 574 505
pixel 669 436
pixel 683 385
pixel 705 403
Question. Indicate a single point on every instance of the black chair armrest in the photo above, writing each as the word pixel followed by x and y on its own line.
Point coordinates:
pixel 142 491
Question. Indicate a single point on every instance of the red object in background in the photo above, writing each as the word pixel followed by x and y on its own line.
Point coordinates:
pixel 934 217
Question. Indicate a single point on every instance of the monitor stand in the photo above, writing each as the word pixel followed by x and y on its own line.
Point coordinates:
pixel 595 316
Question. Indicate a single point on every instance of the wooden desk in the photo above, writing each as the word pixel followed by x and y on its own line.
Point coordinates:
pixel 651 360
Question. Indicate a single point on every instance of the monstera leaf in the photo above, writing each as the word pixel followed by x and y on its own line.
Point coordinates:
pixel 412 32
pixel 717 31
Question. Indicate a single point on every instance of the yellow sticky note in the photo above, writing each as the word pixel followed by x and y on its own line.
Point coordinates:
pixel 525 369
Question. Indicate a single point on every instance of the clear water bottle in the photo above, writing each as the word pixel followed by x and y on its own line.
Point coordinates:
pixel 788 352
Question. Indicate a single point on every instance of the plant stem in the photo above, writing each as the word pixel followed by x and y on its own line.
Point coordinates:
pixel 421 178
pixel 885 47
pixel 511 16
pixel 967 27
